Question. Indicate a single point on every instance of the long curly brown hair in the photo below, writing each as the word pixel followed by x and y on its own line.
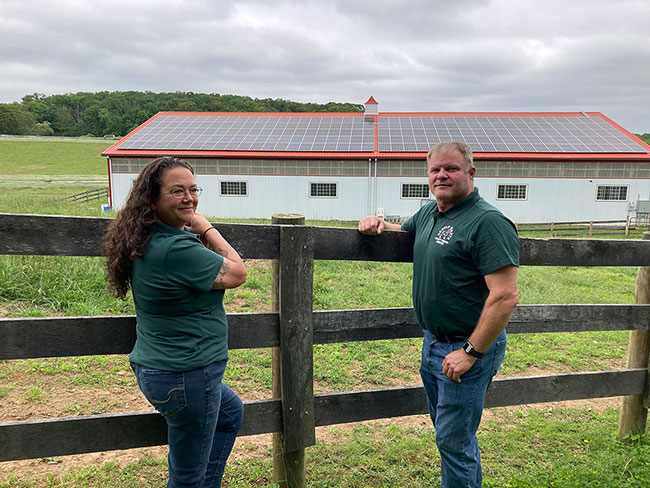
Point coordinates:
pixel 134 225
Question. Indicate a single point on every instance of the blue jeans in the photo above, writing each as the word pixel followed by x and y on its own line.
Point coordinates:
pixel 456 408
pixel 203 417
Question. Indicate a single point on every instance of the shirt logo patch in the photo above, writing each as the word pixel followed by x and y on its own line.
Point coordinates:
pixel 445 235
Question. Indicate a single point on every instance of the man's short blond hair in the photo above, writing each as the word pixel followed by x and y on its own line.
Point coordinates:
pixel 461 147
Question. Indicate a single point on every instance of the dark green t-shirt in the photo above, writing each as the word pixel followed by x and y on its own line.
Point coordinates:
pixel 452 253
pixel 181 322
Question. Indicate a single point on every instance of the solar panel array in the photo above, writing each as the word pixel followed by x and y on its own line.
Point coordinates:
pixel 255 133
pixel 520 134
pixel 505 134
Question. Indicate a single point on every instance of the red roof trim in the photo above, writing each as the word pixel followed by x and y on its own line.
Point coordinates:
pixel 145 153
pixel 478 156
pixel 261 114
pixel 504 156
pixel 484 114
pixel 372 101
pixel 563 156
pixel 381 114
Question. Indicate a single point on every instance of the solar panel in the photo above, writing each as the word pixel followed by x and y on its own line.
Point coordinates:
pixel 505 134
pixel 314 133
pixel 255 133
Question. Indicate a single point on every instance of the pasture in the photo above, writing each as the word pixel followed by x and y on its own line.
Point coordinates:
pixel 563 445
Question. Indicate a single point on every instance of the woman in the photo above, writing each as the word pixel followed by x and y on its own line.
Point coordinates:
pixel 178 266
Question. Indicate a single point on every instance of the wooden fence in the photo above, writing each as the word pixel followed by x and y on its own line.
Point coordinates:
pixel 298 327
pixel 89 196
pixel 583 228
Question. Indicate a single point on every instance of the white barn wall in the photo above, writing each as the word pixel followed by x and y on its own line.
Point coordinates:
pixel 268 195
pixel 389 195
pixel 549 199
pixel 120 185
pixel 563 199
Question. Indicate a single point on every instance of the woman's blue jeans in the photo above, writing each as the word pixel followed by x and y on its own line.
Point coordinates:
pixel 203 417
pixel 456 408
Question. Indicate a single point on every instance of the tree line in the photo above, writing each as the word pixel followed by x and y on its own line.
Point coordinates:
pixel 118 113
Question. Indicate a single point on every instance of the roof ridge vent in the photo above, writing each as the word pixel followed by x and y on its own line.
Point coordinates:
pixel 372 106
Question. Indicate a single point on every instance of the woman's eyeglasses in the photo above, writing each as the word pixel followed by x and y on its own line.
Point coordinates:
pixel 178 193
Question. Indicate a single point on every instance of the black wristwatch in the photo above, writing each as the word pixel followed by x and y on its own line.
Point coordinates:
pixel 469 349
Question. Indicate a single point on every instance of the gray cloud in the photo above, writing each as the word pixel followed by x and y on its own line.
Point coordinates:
pixel 412 55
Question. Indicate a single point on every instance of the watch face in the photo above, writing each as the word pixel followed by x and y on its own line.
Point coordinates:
pixel 469 349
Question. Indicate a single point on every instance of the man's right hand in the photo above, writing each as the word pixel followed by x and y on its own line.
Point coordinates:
pixel 371 225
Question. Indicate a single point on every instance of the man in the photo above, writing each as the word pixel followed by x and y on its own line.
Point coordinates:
pixel 465 259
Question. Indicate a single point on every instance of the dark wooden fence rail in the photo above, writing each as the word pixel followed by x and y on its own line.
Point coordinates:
pixel 299 411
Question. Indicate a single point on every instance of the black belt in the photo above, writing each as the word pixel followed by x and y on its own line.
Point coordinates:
pixel 450 338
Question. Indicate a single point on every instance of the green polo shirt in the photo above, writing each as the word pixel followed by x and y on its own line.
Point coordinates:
pixel 452 252
pixel 180 321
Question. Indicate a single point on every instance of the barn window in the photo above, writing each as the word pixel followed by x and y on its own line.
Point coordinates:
pixel 415 190
pixel 512 192
pixel 323 190
pixel 611 193
pixel 234 188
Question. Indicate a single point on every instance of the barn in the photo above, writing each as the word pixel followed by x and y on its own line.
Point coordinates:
pixel 535 167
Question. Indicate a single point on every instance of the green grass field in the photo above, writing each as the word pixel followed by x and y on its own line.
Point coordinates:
pixel 42 157
pixel 528 446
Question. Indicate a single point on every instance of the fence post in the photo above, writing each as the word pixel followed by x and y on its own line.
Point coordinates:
pixel 591 228
pixel 292 362
pixel 634 410
pixel 552 228
pixel 627 226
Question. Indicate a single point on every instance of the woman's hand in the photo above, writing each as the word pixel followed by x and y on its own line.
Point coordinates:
pixel 199 224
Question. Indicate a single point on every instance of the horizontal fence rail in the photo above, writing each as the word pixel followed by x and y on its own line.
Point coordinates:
pixel 24 338
pixel 80 236
pixel 31 439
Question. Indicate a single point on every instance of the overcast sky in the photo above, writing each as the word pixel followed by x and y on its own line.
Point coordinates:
pixel 411 55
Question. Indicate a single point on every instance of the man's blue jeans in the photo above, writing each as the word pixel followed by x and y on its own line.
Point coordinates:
pixel 203 417
pixel 456 408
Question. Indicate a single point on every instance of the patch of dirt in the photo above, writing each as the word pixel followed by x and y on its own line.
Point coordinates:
pixel 33 166
pixel 10 310
pixel 238 303
pixel 258 446
pixel 262 264
pixel 561 368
